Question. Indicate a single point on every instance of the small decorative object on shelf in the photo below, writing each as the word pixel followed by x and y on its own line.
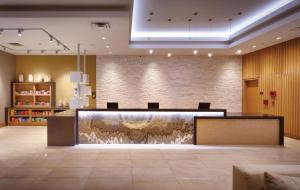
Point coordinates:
pixel 21 77
pixel 30 78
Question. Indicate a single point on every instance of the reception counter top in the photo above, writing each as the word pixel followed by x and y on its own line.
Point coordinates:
pixel 139 126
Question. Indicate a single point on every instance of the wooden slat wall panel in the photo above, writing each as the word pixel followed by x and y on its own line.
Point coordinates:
pixel 277 68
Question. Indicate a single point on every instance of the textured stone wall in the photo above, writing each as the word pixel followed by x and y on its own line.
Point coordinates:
pixel 176 82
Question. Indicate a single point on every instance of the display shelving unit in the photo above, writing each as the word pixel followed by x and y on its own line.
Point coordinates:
pixel 32 103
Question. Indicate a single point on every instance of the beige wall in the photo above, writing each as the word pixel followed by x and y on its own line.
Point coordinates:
pixel 7 74
pixel 176 82
pixel 59 67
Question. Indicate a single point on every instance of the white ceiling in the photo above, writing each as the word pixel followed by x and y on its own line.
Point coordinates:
pixel 199 28
pixel 73 27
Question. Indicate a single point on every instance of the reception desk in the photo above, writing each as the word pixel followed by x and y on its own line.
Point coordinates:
pixel 139 126
pixel 163 126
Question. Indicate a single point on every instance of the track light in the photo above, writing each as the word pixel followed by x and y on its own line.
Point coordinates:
pixel 1 31
pixel 43 51
pixel 4 48
pixel 20 31
pixel 58 44
pixel 150 51
pixel 51 39
pixel 56 51
pixel 28 51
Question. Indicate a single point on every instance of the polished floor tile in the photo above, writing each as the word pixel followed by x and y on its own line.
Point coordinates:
pixel 26 163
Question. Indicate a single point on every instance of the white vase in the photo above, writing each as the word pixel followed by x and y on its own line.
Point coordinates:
pixel 30 78
pixel 21 78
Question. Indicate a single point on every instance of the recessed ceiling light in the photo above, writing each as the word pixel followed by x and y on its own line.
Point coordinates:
pixel 169 54
pixel 195 13
pixel 151 13
pixel 107 47
pixel 169 20
pixel 239 13
pixel 209 54
pixel 238 51
pixel 278 38
pixel 254 46
pixel 104 38
pixel 150 51
pixel 210 19
pixel 189 19
pixel 149 20
pixel 195 52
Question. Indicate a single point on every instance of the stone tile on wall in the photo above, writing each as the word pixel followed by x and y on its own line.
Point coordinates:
pixel 176 82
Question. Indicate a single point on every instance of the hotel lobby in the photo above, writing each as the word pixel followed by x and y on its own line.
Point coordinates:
pixel 149 95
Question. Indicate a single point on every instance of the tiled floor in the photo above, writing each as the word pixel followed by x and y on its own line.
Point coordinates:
pixel 27 163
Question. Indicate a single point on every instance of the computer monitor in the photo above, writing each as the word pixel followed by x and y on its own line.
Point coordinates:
pixel 204 106
pixel 112 105
pixel 153 105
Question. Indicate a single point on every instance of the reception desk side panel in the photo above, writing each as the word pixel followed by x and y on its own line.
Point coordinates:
pixel 239 131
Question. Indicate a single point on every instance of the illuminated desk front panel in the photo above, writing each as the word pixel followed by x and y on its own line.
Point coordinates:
pixel 139 126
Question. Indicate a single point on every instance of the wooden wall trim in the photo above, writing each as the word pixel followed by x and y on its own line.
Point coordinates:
pixel 277 68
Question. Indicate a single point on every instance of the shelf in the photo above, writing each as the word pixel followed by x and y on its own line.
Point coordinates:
pixel 24 94
pixel 43 95
pixel 19 116
pixel 38 94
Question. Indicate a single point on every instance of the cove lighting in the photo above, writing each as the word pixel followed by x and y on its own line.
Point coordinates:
pixel 138 32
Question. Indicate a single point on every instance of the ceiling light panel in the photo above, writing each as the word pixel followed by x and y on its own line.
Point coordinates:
pixel 202 29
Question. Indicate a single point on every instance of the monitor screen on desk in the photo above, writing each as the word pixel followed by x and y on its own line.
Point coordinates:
pixel 204 106
pixel 112 105
pixel 153 105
